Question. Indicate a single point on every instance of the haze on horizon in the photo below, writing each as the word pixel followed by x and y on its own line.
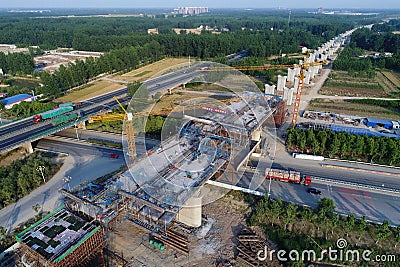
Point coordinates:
pixel 293 4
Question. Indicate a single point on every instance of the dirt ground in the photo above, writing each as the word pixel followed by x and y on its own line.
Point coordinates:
pixel 354 109
pixel 53 61
pixel 9 157
pixel 209 244
pixel 342 84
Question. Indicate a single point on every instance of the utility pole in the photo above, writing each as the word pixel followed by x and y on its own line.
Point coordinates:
pixel 67 179
pixel 76 130
pixel 41 169
pixel 269 187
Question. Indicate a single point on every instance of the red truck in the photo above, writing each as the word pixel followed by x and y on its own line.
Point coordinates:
pixel 287 176
pixel 114 155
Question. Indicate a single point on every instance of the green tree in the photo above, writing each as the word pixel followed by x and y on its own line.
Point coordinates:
pixel 382 231
pixel 133 87
pixel 289 214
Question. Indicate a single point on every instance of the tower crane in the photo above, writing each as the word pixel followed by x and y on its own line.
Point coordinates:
pixel 130 136
pixel 303 68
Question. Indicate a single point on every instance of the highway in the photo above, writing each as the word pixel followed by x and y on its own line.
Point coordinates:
pixel 376 206
pixel 85 162
pixel 12 135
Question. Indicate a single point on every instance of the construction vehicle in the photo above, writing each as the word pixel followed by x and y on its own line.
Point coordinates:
pixel 287 176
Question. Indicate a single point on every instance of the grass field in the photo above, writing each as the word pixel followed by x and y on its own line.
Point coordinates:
pixel 343 84
pixel 393 78
pixel 93 90
pixel 150 70
pixel 355 109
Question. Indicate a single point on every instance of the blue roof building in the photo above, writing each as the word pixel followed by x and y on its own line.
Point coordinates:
pixel 373 122
pixel 9 102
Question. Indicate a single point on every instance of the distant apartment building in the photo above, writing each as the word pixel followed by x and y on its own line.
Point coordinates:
pixel 191 10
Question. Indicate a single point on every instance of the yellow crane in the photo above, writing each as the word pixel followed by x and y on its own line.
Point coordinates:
pixel 303 67
pixel 129 132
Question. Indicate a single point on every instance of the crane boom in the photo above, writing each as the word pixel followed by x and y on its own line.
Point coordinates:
pixel 130 136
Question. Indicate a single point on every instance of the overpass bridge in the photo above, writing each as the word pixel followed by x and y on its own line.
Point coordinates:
pixel 167 186
pixel 22 133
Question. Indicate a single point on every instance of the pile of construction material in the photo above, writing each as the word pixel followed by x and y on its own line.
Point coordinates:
pixel 249 246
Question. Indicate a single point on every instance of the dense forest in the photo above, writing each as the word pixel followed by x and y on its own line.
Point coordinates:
pixel 382 150
pixel 21 177
pixel 81 72
pixel 16 63
pixel 103 34
pixel 127 44
pixel 379 39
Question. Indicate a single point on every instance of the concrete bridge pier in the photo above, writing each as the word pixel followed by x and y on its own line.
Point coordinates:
pixel 191 213
pixel 28 147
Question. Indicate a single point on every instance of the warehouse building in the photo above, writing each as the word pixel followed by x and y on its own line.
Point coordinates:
pixel 9 102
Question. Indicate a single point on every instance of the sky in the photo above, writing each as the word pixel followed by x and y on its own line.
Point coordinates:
pixel 373 4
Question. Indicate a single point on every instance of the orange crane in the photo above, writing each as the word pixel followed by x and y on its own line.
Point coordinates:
pixel 303 67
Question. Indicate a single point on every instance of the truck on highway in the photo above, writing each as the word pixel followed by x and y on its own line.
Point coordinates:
pixel 306 156
pixel 63 119
pixel 56 112
pixel 287 176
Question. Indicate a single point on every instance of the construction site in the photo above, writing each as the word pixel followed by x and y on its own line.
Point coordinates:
pixel 163 210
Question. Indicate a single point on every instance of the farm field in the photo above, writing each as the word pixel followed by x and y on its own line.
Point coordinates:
pixel 342 84
pixel 392 77
pixel 92 90
pixel 150 70
pixel 354 109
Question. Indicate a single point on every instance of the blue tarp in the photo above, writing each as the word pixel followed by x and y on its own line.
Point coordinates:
pixel 360 131
pixel 15 98
pixel 372 122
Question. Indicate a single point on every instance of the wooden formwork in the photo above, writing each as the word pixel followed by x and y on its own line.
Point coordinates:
pixel 249 246
pixel 80 256
pixel 174 240
pixel 85 252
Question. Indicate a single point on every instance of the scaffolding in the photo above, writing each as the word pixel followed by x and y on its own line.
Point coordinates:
pixel 54 242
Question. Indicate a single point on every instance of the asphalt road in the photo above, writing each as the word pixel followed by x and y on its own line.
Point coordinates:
pixel 376 206
pixel 84 163
pixel 17 132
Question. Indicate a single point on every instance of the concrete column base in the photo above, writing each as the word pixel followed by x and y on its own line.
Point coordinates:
pixel 28 147
pixel 191 213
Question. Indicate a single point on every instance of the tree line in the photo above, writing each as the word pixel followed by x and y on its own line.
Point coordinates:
pixel 371 40
pixel 26 109
pixel 301 228
pixel 377 102
pixel 16 63
pixel 80 72
pixel 113 33
pixel 21 177
pixel 382 150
